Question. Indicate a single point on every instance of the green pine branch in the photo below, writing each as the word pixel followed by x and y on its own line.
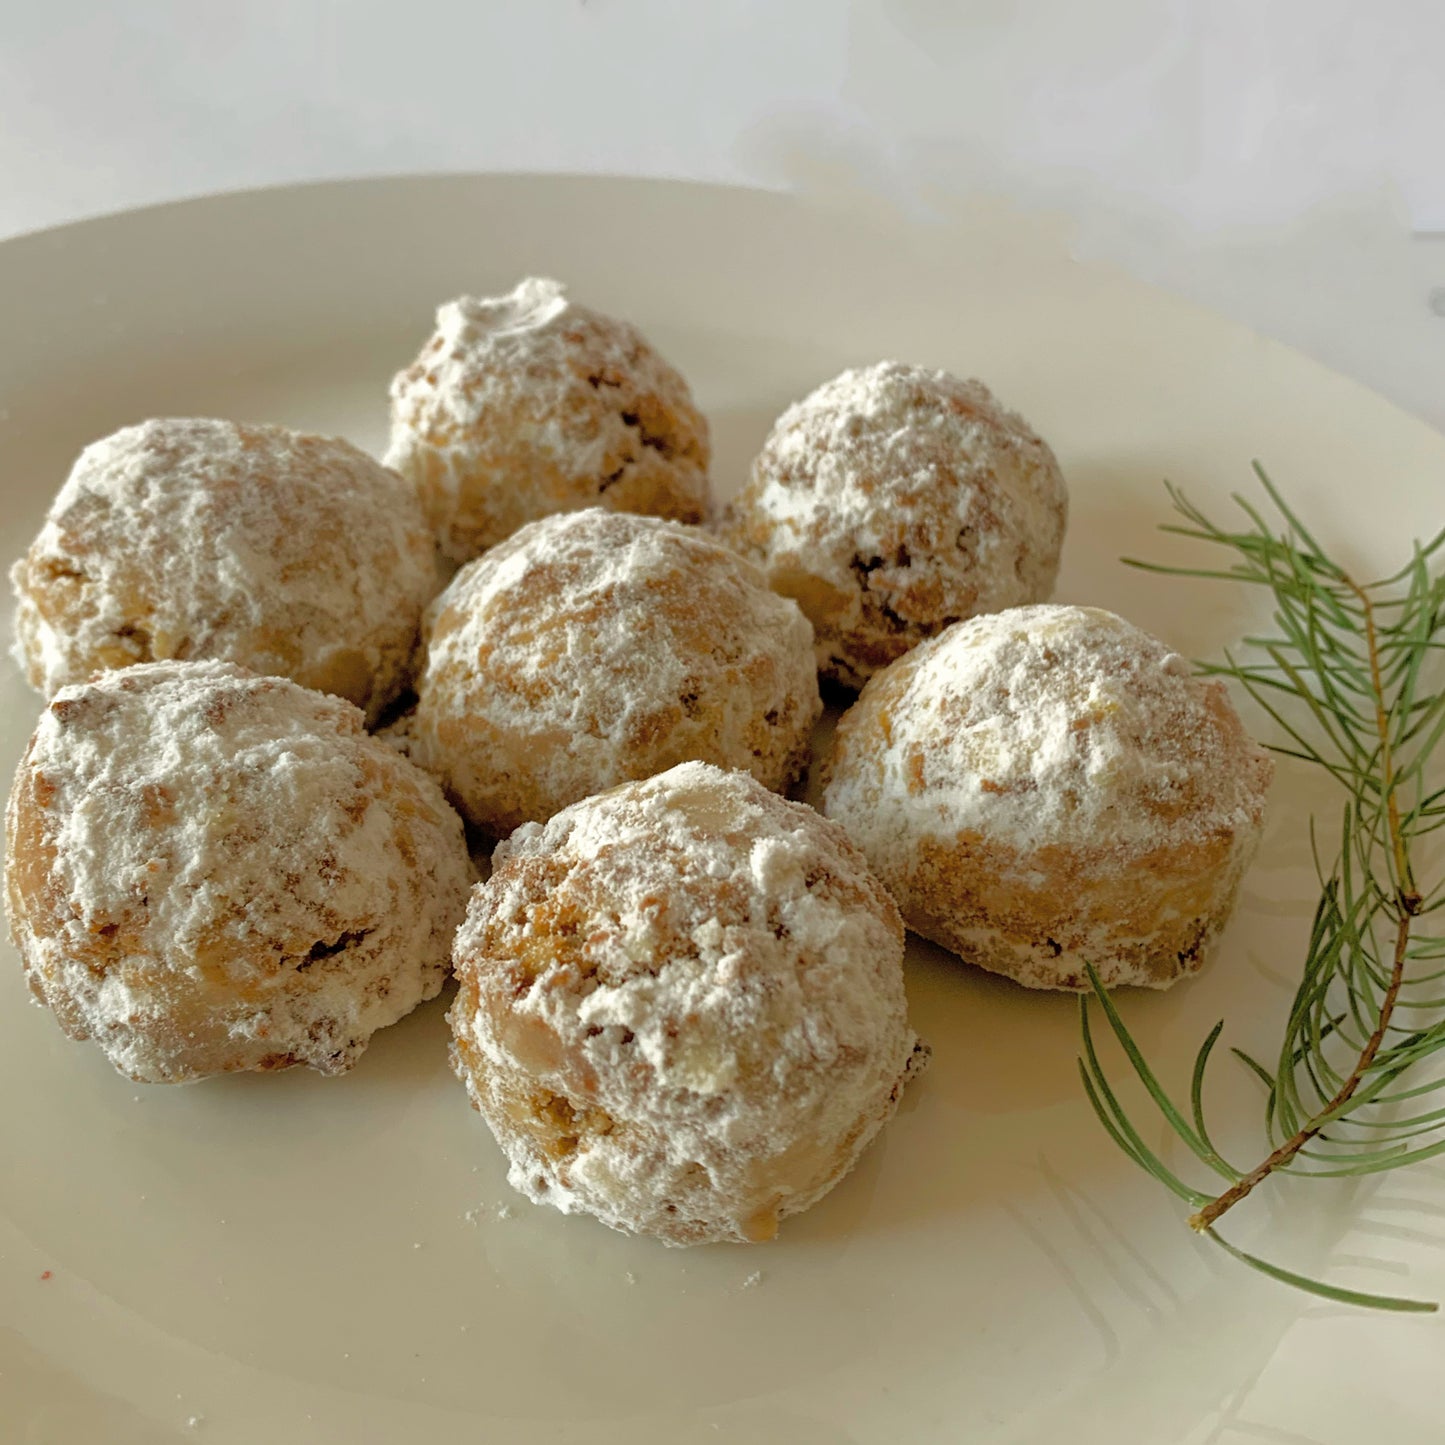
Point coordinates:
pixel 1348 679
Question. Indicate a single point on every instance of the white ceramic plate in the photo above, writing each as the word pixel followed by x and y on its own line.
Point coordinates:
pixel 296 1259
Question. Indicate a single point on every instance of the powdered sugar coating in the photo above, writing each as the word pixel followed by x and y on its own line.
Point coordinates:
pixel 527 404
pixel 192 538
pixel 1048 786
pixel 209 871
pixel 895 500
pixel 594 647
pixel 681 1007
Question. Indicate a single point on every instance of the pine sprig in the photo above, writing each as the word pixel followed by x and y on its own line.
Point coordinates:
pixel 1348 678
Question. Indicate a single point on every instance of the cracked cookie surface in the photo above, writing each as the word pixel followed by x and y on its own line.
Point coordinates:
pixel 595 647
pixel 893 501
pixel 1049 786
pixel 527 404
pixel 198 539
pixel 680 1007
pixel 208 871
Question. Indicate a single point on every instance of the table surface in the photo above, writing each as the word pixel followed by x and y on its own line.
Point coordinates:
pixel 1273 164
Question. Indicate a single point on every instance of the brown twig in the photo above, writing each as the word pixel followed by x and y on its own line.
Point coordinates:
pixel 1409 898
pixel 1211 1212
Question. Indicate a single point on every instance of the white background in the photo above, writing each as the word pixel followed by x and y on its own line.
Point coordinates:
pixel 1283 162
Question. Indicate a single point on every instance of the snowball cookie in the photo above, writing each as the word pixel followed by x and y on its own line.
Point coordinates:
pixel 1050 786
pixel 209 871
pixel 294 555
pixel 593 647
pixel 894 501
pixel 681 1007
pixel 527 404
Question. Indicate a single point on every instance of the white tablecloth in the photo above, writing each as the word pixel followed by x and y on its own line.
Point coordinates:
pixel 1279 163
